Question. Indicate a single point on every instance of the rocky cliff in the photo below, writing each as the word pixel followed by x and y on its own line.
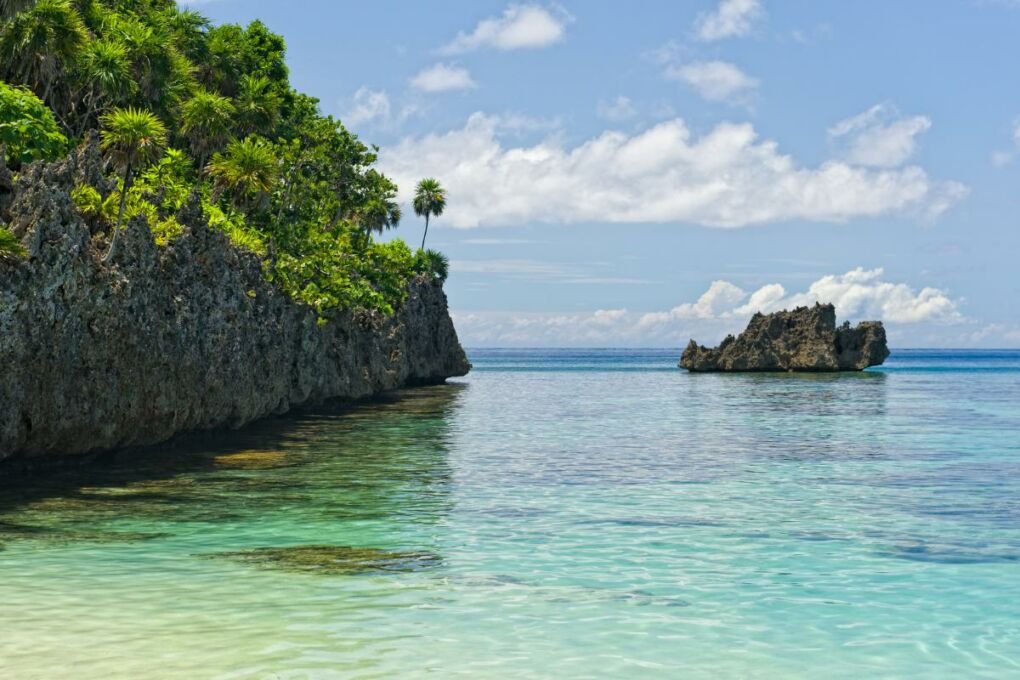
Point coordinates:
pixel 188 336
pixel 804 339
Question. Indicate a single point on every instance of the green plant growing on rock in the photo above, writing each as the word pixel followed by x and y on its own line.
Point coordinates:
pixel 433 264
pixel 10 246
pixel 429 200
pixel 27 127
pixel 131 138
pixel 247 171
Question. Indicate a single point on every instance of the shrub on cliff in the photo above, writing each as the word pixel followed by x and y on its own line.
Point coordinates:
pixel 27 127
pixel 10 246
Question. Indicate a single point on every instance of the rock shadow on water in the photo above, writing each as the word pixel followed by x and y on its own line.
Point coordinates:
pixel 333 560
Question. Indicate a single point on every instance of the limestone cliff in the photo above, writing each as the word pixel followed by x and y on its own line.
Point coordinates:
pixel 804 339
pixel 168 339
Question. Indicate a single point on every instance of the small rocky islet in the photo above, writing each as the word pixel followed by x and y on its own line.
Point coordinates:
pixel 805 339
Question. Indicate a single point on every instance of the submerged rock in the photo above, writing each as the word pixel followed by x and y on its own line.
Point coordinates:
pixel 804 339
pixel 163 340
pixel 333 560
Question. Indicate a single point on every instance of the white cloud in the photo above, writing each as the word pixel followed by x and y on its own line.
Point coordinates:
pixel 723 308
pixel 879 138
pixel 727 177
pixel 860 292
pixel 519 27
pixel 616 110
pixel 718 300
pixel 732 18
pixel 443 78
pixel 714 80
pixel 366 106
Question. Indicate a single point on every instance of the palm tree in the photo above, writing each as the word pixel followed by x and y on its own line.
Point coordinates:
pixel 206 120
pixel 258 105
pixel 131 138
pixel 248 169
pixel 106 70
pixel 8 8
pixel 429 199
pixel 37 45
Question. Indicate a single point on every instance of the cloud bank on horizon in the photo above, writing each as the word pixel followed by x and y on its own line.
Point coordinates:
pixel 723 308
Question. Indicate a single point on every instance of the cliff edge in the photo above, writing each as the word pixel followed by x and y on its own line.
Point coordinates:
pixel 189 336
pixel 804 339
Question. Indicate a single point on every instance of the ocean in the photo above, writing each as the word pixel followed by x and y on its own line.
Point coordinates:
pixel 555 514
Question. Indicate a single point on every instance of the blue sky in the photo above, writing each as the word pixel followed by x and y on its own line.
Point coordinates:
pixel 625 174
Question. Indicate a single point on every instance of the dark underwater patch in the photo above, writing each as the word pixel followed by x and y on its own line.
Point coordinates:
pixel 332 560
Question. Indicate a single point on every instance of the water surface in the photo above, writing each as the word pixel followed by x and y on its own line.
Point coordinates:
pixel 556 514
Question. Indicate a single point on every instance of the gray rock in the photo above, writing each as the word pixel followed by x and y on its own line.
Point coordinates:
pixel 804 339
pixel 185 337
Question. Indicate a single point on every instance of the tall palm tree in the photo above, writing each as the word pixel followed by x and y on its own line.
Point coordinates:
pixel 206 120
pixel 248 169
pixel 429 199
pixel 131 138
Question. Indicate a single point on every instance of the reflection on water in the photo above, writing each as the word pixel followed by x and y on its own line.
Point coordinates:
pixel 557 514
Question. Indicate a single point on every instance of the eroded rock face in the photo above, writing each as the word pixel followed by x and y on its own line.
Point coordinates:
pixel 804 339
pixel 164 340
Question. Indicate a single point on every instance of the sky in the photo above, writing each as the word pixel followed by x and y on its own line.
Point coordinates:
pixel 638 174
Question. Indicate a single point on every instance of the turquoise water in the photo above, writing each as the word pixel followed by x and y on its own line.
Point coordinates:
pixel 556 514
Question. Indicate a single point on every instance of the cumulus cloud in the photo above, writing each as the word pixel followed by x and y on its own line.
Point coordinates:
pixel 616 110
pixel 879 137
pixel 366 106
pixel 519 27
pixel 723 308
pixel 732 18
pixel 443 78
pixel 727 177
pixel 713 80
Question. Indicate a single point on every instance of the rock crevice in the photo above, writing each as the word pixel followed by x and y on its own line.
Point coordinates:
pixel 169 339
pixel 803 339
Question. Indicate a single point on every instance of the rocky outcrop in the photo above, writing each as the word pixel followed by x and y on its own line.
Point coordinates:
pixel 804 339
pixel 168 339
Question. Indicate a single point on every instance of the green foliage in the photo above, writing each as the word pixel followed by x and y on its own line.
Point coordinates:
pixel 27 126
pixel 275 175
pixel 433 264
pixel 132 137
pixel 246 171
pixel 233 224
pixel 328 277
pixel 10 246
pixel 206 120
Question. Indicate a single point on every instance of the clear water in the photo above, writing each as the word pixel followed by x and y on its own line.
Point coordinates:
pixel 556 514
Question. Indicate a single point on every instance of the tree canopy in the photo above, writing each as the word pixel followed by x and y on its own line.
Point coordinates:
pixel 278 176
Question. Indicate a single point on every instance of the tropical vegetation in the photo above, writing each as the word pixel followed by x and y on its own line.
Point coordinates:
pixel 181 106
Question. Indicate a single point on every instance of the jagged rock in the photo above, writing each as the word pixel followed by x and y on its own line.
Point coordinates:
pixel 167 339
pixel 804 339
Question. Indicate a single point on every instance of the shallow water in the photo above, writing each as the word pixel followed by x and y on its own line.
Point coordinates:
pixel 555 514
